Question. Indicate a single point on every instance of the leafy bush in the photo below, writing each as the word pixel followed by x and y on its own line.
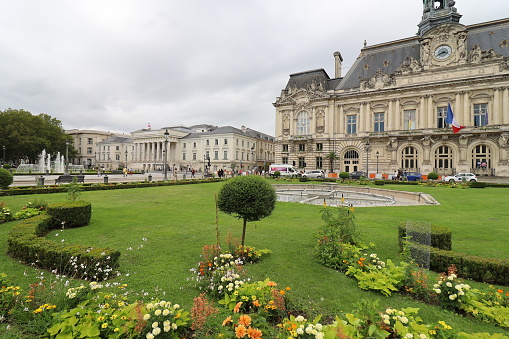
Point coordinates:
pixel 344 175
pixel 477 184
pixel 277 174
pixel 433 176
pixel 380 182
pixel 441 237
pixel 72 214
pixel 6 178
pixel 303 179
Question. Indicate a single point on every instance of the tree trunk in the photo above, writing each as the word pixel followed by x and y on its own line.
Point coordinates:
pixel 244 232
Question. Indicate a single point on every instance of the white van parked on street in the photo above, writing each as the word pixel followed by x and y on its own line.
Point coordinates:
pixel 285 170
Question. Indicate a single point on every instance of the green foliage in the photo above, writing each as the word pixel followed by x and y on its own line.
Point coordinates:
pixel 6 178
pixel 5 213
pixel 344 175
pixel 303 179
pixel 433 176
pixel 277 174
pixel 441 237
pixel 340 225
pixel 9 295
pixel 25 135
pixel 6 166
pixel 386 279
pixel 332 156
pixel 72 214
pixel 379 182
pixel 27 213
pixel 250 198
pixel 73 190
pixel 477 184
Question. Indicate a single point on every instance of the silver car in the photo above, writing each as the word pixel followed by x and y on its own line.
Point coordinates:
pixel 459 177
pixel 314 174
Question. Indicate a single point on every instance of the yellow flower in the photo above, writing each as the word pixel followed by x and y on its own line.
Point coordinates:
pixel 104 325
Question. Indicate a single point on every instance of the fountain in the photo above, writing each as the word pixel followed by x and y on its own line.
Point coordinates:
pixel 45 165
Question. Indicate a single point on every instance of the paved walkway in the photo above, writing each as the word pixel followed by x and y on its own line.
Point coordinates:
pixel 30 180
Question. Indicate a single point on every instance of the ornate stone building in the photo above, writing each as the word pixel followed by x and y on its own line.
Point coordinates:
pixel 389 111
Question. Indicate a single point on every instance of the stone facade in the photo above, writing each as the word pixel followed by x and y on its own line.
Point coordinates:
pixel 389 111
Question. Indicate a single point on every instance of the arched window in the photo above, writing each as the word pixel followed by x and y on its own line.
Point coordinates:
pixel 481 156
pixel 443 157
pixel 409 158
pixel 351 161
pixel 303 123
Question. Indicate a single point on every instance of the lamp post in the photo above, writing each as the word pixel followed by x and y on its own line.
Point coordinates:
pixel 66 157
pixel 377 154
pixel 165 166
pixel 126 158
pixel 367 157
pixel 3 158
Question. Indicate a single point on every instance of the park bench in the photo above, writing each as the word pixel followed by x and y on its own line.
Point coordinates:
pixel 69 178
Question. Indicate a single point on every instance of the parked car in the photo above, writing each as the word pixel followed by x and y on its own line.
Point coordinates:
pixel 358 175
pixel 459 177
pixel 412 176
pixel 314 174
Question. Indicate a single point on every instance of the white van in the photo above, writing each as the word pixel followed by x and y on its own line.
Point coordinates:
pixel 285 170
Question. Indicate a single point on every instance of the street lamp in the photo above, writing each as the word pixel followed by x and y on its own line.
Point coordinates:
pixel 165 166
pixel 3 158
pixel 66 157
pixel 367 157
pixel 377 154
pixel 126 158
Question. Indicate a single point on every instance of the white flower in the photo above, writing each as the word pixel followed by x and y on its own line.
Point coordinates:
pixel 158 312
pixel 150 336
pixel 453 296
pixel 318 327
pixel 174 326
pixel 387 321
pixel 166 312
pixel 155 324
pixel 156 331
pixel 300 331
pixel 166 328
pixel 448 284
pixel 409 335
pixel 388 311
pixel 423 336
pixel 299 319
pixel 437 290
pixel 319 335
pixel 404 320
pixel 146 317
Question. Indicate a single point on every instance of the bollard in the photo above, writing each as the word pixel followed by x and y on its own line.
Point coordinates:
pixel 105 179
pixel 40 181
pixel 184 177
pixel 149 177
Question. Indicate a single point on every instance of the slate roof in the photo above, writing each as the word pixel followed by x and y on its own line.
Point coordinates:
pixel 231 130
pixel 117 139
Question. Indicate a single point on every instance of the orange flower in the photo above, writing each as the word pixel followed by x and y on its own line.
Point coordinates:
pixel 227 321
pixel 245 320
pixel 288 288
pixel 236 309
pixel 240 331
pixel 256 303
pixel 500 291
pixel 271 284
pixel 254 333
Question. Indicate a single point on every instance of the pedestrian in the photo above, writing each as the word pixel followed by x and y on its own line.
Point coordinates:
pixel 125 171
pixel 192 173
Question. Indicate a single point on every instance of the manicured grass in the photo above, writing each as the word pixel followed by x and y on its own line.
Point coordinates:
pixel 177 221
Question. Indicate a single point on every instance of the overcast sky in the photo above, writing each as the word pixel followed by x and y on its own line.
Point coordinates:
pixel 117 65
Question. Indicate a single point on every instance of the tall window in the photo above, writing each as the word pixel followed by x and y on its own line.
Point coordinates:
pixel 90 141
pixel 409 158
pixel 441 117
pixel 443 157
pixel 285 147
pixel 226 141
pixel 409 121
pixel 216 142
pixel 183 156
pixel 379 120
pixel 481 156
pixel 480 114
pixel 302 147
pixel 216 155
pixel 351 124
pixel 194 156
pixel 351 160
pixel 319 162
pixel 319 147
pixel 284 160
pixel 225 155
pixel 302 162
pixel 303 123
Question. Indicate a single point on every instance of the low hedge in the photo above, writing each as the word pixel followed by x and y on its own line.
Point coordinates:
pixel 477 184
pixel 488 270
pixel 71 214
pixel 27 243
pixel 379 182
pixel 441 237
pixel 97 187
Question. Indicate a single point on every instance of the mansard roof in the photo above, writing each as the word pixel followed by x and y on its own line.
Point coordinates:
pixel 307 79
pixel 232 130
pixel 391 55
pixel 117 140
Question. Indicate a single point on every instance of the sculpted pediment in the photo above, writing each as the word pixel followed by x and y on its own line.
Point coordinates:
pixel 378 81
pixel 298 96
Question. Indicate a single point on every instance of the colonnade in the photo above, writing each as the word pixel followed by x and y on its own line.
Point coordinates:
pixel 150 151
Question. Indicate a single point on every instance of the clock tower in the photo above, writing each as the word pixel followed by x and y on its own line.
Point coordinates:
pixel 437 12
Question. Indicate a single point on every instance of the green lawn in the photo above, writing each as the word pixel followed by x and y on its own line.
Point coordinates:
pixel 177 221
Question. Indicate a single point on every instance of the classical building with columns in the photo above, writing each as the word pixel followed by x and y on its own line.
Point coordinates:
pixel 202 146
pixel 389 112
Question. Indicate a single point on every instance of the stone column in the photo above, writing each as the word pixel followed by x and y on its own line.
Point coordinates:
pixel 466 117
pixel 432 117
pixel 505 106
pixel 341 120
pixel 397 116
pixel 389 117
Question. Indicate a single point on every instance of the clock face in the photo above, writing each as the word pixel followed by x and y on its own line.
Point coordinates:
pixel 443 52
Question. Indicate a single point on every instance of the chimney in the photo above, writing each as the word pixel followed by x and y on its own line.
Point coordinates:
pixel 338 59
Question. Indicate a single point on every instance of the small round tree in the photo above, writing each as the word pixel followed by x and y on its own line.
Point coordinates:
pixel 433 176
pixel 250 198
pixel 344 175
pixel 6 178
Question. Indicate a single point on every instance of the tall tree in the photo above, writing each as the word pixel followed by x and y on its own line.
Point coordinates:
pixel 332 156
pixel 25 135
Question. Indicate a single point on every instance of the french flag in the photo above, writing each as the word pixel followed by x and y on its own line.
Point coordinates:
pixel 451 121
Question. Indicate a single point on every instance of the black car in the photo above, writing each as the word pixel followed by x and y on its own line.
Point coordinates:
pixel 358 175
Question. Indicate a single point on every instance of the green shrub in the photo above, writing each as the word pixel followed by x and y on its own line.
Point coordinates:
pixel 477 184
pixel 277 174
pixel 6 166
pixel 72 214
pixel 344 175
pixel 489 270
pixel 433 176
pixel 303 179
pixel 6 178
pixel 441 237
pixel 26 242
pixel 380 182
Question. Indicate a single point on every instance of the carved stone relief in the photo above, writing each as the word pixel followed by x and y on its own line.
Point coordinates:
pixel 379 80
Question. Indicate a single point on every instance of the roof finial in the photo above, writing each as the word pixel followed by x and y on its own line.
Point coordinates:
pixel 365 43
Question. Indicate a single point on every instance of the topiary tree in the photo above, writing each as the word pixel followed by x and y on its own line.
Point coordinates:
pixel 250 198
pixel 344 175
pixel 6 178
pixel 432 176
